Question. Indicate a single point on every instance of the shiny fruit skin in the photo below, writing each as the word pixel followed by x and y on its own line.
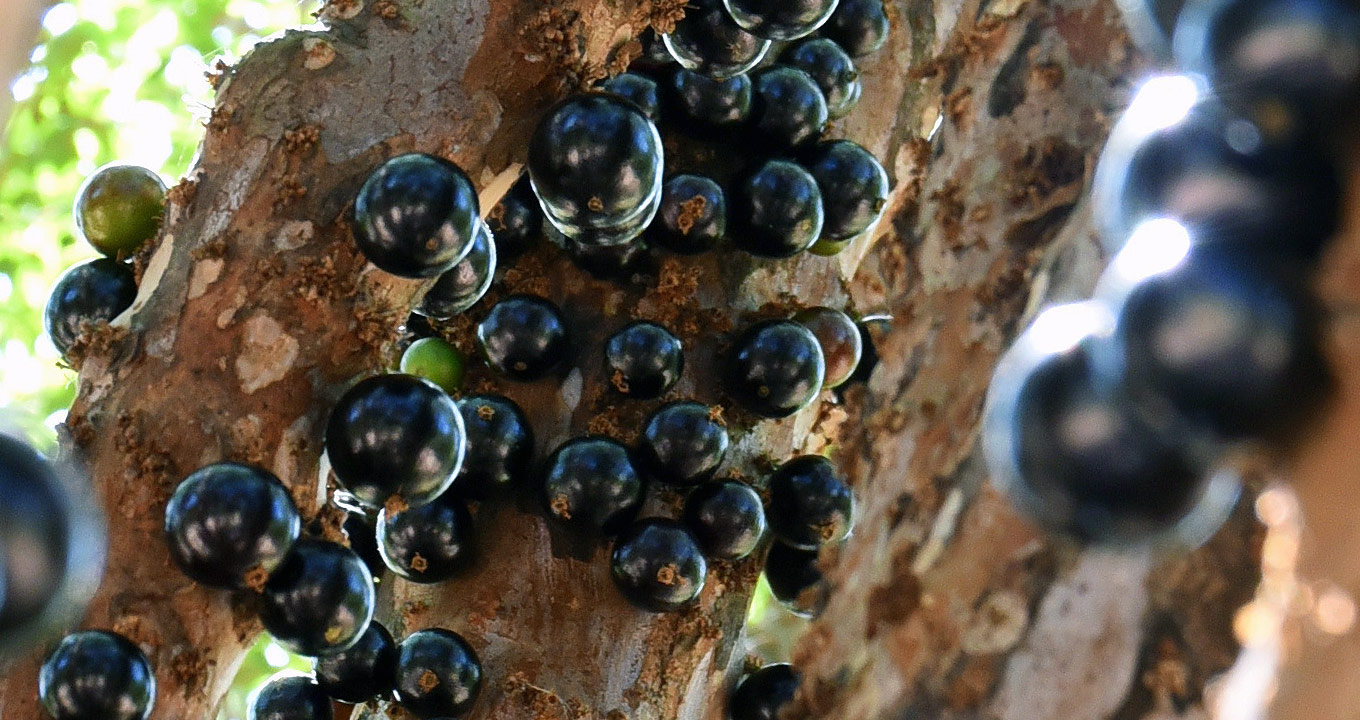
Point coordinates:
pixel 365 671
pixel 708 42
pixel 523 337
pixel 35 531
pixel 657 565
pixel 762 694
pixel 92 292
pixel 395 434
pixel 363 540
pixel 713 106
pixel 119 208
pixel 839 338
pixel 590 485
pixel 810 505
pixel 516 222
pixel 97 675
pixel 291 697
pixel 776 211
pixel 693 215
pixel 461 286
pixel 834 72
pixel 434 359
pixel 639 90
pixel 682 444
pixel 726 518
pixel 416 216
pixel 780 19
pixel 775 368
pixel 795 580
pixel 227 521
pixel 860 27
pixel 451 661
pixel 429 543
pixel 500 447
pixel 789 108
pixel 612 263
pixel 853 184
pixel 320 600
pixel 643 360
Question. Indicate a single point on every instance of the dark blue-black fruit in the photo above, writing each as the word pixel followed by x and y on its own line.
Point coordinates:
pixel 438 674
pixel 591 485
pixel 711 105
pixel 776 210
pixel 657 565
pixel 365 671
pixel 794 579
pixel 97 675
pixel 35 535
pixel 516 221
pixel 87 294
pixel 780 19
pixel 654 56
pixel 831 68
pixel 682 444
pixel 789 109
pixel 428 543
pixel 860 27
pixel 708 42
pixel 693 215
pixel 726 518
pixel 775 368
pixel 291 697
pixel 643 360
pixel 615 263
pixel 461 286
pixel 810 505
pixel 500 447
pixel 363 540
pixel 229 525
pixel 395 434
pixel 639 89
pixel 523 337
pixel 762 694
pixel 416 216
pixel 320 600
pixel 853 184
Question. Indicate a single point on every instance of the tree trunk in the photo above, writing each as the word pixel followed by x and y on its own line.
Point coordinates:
pixel 256 311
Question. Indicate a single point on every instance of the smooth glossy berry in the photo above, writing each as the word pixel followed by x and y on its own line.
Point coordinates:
pixel 119 208
pixel 708 42
pixel 775 368
pixel 853 184
pixel 789 109
pixel 682 444
pixel 291 697
pixel 500 447
pixel 657 565
pixel 87 294
pixel 429 543
pixel 320 600
pixel 363 540
pixel 776 210
pixel 516 221
pixel 523 337
pixel 460 287
pixel 434 359
pixel 395 435
pixel 810 505
pixel 229 525
pixel 833 71
pixel 595 162
pixel 726 518
pixel 712 105
pixel 839 338
pixel 762 694
pixel 35 536
pixel 795 580
pixel 693 215
pixel 591 485
pixel 639 89
pixel 365 671
pixel 438 673
pixel 97 675
pixel 780 19
pixel 643 360
pixel 860 27
pixel 416 216
pixel 615 263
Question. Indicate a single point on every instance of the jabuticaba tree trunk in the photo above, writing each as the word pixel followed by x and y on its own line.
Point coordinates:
pixel 256 311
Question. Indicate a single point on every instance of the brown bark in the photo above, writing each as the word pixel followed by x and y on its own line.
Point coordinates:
pixel 19 24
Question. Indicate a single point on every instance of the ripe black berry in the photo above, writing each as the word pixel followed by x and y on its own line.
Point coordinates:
pixel 763 693
pixel 859 26
pixel 363 540
pixel 693 215
pixel 707 41
pixel 89 293
pixel 291 697
pixel 795 580
pixel 395 435
pixel 35 533
pixel 789 108
pixel 465 283
pixel 119 208
pixel 516 221
pixel 712 105
pixel 726 518
pixel 364 671
pixel 416 216
pixel 810 505
pixel 657 565
pixel 595 162
pixel 97 675
pixel 833 71
pixel 839 338
pixel 500 447
pixel 780 19
pixel 438 673
pixel 682 444
pixel 776 210
pixel 320 600
pixel 227 522
pixel 854 187
pixel 618 263
pixel 591 485
pixel 523 337
pixel 643 360
pixel 429 543
pixel 775 368
pixel 639 89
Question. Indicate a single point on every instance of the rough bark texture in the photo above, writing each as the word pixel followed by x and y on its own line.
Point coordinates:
pixel 256 310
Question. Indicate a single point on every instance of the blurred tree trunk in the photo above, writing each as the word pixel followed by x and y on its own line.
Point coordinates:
pixel 19 23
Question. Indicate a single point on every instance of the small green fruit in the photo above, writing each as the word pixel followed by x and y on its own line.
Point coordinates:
pixel 119 208
pixel 436 361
